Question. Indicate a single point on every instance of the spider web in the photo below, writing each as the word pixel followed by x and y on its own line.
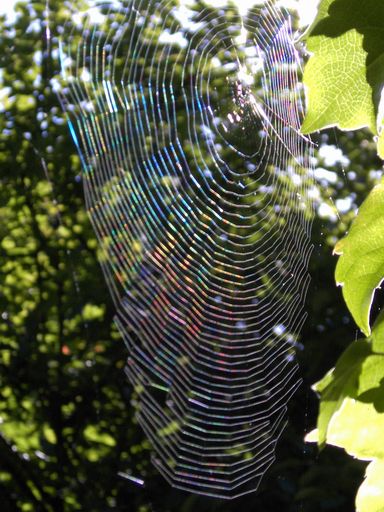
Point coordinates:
pixel 196 181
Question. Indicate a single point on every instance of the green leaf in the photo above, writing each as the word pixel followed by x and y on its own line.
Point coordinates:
pixel 49 434
pixel 322 12
pixel 360 268
pixel 380 145
pixel 371 374
pixel 344 76
pixel 339 383
pixel 370 497
pixel 358 428
pixel 25 102
pixel 94 435
pixel 352 403
pixel 92 312
pixel 378 334
pixel 371 383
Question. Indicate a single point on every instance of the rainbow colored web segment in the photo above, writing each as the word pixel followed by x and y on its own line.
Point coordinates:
pixel 196 181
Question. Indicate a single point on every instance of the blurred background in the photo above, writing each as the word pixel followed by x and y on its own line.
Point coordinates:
pixel 67 426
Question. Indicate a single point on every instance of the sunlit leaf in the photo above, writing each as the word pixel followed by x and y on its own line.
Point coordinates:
pixel 352 403
pixel 360 268
pixel 358 428
pixel 344 76
pixel 380 146
pixel 49 434
pixel 93 312
pixel 370 497
pixel 93 434
pixel 339 383
pixel 378 334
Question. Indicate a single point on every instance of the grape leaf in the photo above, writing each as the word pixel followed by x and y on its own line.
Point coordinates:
pixel 358 428
pixel 360 268
pixel 344 76
pixel 370 497
pixel 378 334
pixel 352 403
pixel 340 382
pixel 380 143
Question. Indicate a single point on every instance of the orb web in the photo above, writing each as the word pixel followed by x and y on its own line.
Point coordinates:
pixel 197 182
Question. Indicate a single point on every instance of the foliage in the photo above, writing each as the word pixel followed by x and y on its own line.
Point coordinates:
pixel 371 493
pixel 63 397
pixel 360 267
pixel 351 410
pixel 67 426
pixel 344 77
pixel 345 74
